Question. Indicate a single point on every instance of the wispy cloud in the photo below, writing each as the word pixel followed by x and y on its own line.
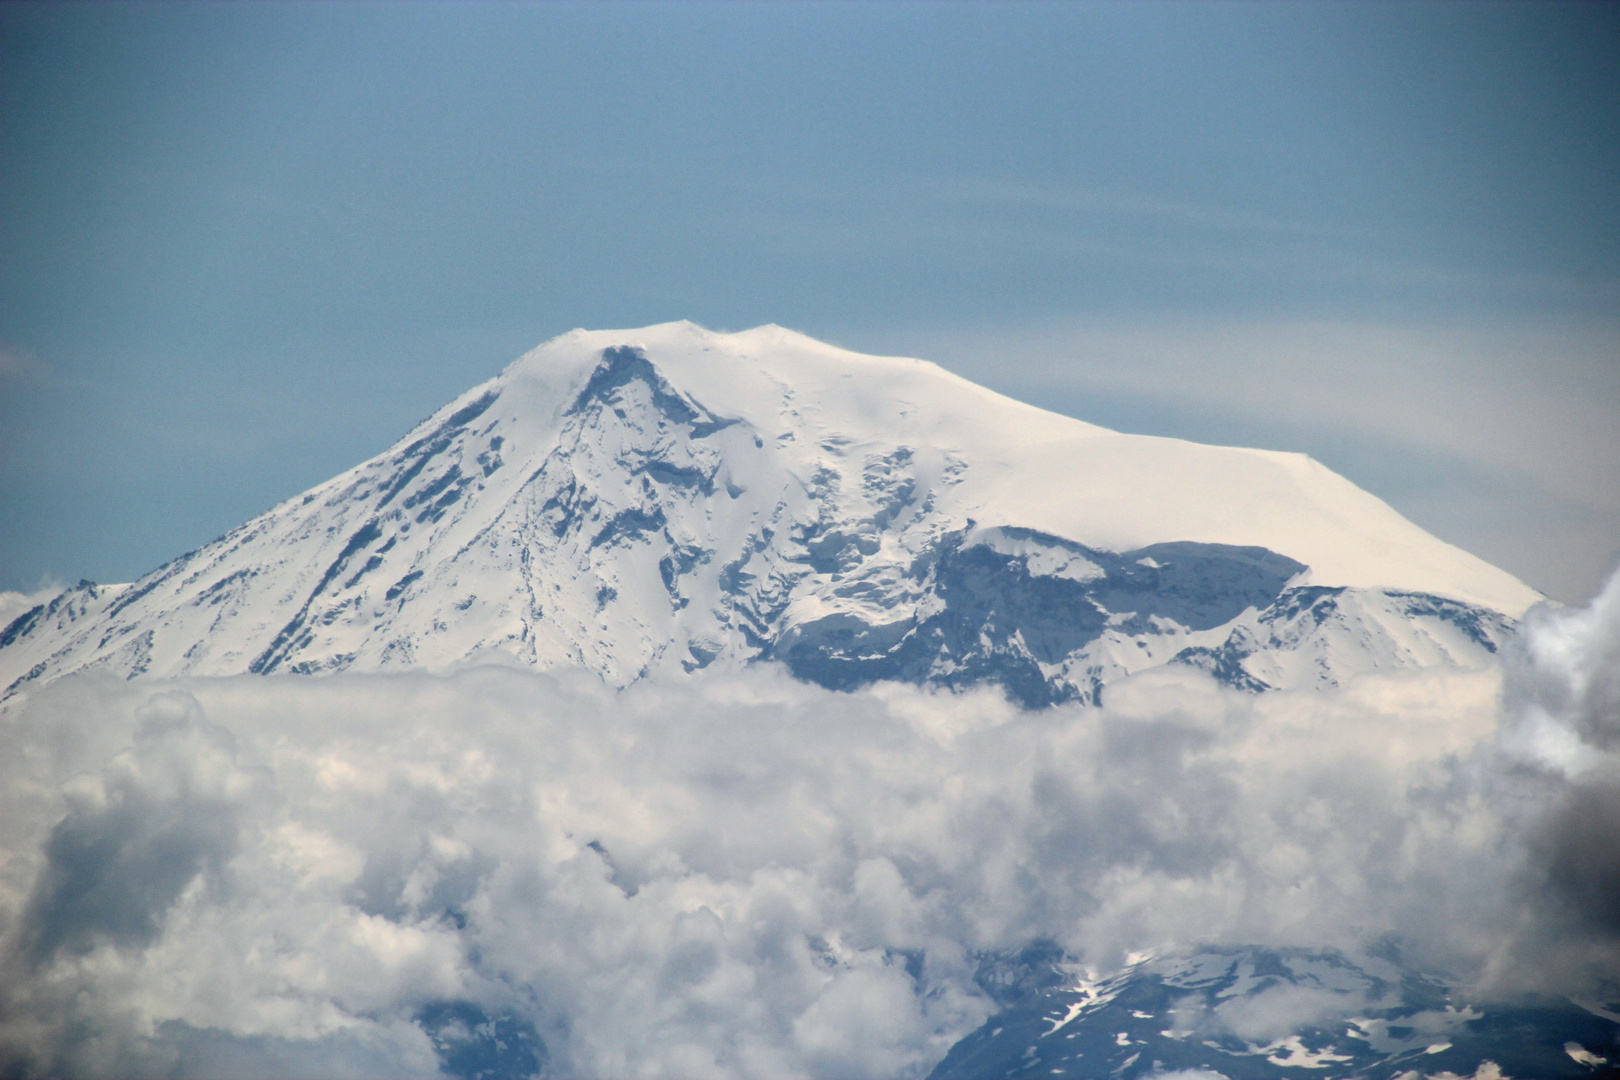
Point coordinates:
pixel 20 368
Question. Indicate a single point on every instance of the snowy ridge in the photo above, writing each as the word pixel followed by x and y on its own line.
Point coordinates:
pixel 669 498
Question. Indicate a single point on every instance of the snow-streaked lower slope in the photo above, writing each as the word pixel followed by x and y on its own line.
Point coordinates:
pixel 670 498
pixel 1265 1014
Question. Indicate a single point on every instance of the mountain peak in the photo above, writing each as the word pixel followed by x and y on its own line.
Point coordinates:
pixel 672 497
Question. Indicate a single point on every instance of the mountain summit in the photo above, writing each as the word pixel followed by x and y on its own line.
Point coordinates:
pixel 670 498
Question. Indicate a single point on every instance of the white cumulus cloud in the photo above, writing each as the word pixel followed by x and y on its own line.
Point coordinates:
pixel 736 874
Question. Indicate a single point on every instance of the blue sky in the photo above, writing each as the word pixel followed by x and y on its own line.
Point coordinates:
pixel 244 246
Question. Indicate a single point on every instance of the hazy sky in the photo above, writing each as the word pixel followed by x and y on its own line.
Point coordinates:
pixel 243 247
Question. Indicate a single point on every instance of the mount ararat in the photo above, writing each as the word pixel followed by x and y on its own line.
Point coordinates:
pixel 670 498
pixel 333 797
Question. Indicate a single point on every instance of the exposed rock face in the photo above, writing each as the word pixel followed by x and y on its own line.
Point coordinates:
pixel 1262 1014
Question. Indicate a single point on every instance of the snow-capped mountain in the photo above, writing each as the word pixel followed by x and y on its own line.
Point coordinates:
pixel 669 498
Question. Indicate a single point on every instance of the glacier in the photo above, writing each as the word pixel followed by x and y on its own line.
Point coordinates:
pixel 667 499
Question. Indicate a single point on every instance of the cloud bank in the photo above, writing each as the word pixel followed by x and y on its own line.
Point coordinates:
pixel 741 875
pixel 1560 751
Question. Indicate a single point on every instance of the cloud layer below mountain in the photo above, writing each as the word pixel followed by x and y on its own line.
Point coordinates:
pixel 744 875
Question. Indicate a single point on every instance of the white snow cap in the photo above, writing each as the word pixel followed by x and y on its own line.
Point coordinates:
pixel 664 499
pixel 1035 469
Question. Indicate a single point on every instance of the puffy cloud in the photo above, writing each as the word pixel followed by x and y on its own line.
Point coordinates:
pixel 1561 748
pixel 495 872
pixel 1567 680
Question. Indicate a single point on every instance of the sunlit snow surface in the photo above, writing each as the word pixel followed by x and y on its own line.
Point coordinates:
pixel 665 499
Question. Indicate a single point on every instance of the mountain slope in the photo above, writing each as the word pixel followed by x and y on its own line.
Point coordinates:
pixel 668 498
pixel 1261 1014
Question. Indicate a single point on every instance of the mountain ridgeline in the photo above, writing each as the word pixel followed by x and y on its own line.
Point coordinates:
pixel 668 499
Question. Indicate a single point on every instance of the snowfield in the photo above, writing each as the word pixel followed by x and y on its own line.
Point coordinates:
pixel 666 499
